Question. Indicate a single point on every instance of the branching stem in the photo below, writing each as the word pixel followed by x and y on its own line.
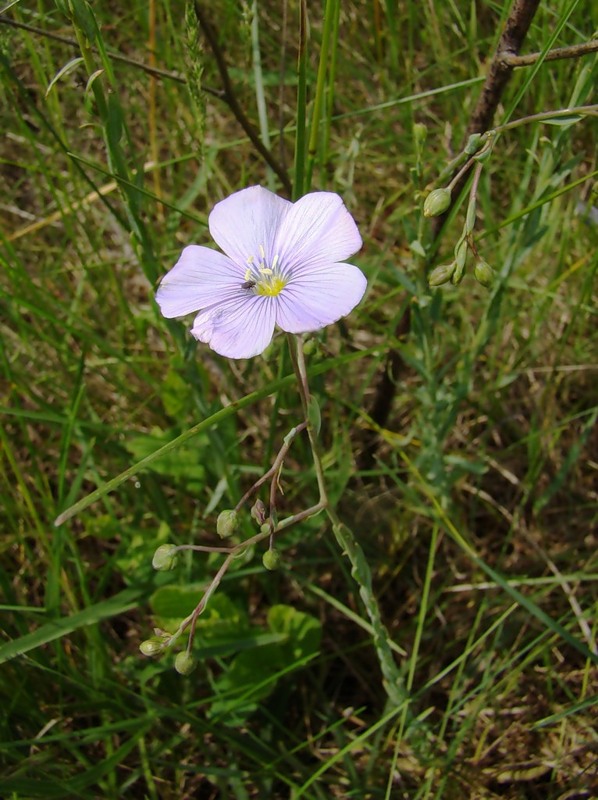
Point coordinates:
pixel 230 98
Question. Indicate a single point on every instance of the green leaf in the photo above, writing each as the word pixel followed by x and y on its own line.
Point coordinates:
pixel 56 629
pixel 314 415
pixel 253 674
pixel 564 122
pixel 69 67
pixel 304 632
pixel 184 465
pixel 206 424
pixel 222 616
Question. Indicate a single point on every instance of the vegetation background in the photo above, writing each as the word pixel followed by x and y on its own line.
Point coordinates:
pixel 458 423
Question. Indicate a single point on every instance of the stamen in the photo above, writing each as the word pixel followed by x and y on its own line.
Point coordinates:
pixel 250 260
pixel 266 271
pixel 262 251
pixel 275 261
pixel 248 274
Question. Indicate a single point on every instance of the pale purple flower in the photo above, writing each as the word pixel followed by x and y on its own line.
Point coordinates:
pixel 281 267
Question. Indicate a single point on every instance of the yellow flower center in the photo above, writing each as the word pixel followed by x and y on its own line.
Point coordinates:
pixel 270 286
pixel 265 281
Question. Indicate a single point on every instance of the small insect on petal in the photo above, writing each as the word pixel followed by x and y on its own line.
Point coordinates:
pixel 248 285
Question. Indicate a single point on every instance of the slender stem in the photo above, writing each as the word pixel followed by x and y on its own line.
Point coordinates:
pixel 231 100
pixel 258 76
pixel 360 569
pixel 329 16
pixel 202 548
pixel 516 27
pixel 584 111
pixel 281 82
pixel 153 131
pixel 298 359
pixel 299 178
pixel 464 169
pixel 192 619
pixel 276 464
pixel 573 51
pixel 150 69
pixel 232 552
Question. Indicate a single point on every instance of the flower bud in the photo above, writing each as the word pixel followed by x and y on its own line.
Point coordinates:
pixel 441 274
pixel 473 144
pixel 271 559
pixel 309 346
pixel 458 273
pixel 483 155
pixel 258 512
pixel 420 132
pixel 184 663
pixel 483 273
pixel 227 523
pixel 152 647
pixel 460 259
pixel 265 527
pixel 437 202
pixel 165 558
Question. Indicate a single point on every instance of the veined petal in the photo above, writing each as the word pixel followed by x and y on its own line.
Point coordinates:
pixel 317 230
pixel 247 221
pixel 241 327
pixel 319 297
pixel 200 278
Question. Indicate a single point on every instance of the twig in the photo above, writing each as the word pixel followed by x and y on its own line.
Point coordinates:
pixel 230 99
pixel 573 51
pixel 276 464
pixel 151 70
pixel 232 552
pixel 360 569
pixel 517 25
pixel 516 28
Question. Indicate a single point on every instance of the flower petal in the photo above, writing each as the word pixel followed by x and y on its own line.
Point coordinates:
pixel 319 297
pixel 241 327
pixel 247 221
pixel 200 278
pixel 317 230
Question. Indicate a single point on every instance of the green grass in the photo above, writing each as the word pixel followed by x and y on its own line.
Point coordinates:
pixel 477 515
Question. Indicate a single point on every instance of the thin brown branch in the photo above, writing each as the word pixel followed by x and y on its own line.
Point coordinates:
pixel 276 464
pixel 515 31
pixel 573 51
pixel 151 70
pixel 230 98
pixel 517 25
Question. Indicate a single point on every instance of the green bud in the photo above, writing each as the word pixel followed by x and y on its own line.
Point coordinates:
pixel 484 155
pixel 420 132
pixel 258 512
pixel 184 663
pixel 458 273
pixel 483 273
pixel 437 202
pixel 165 558
pixel 152 647
pixel 271 559
pixel 470 217
pixel 473 144
pixel 460 258
pixel 310 346
pixel 227 523
pixel 265 528
pixel 441 274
